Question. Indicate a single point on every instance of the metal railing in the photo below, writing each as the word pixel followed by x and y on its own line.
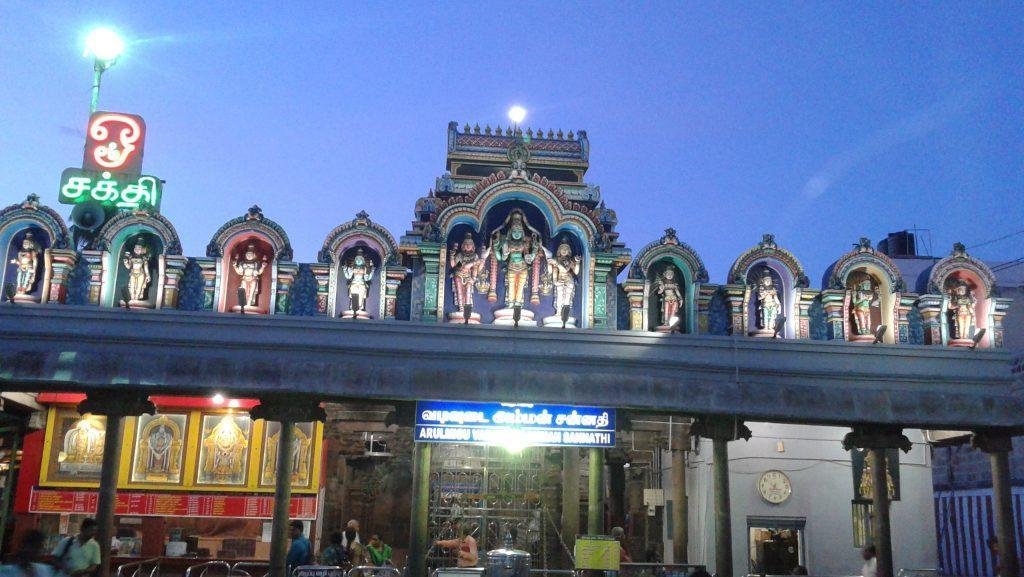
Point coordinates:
pixel 657 569
pixel 458 572
pixel 566 572
pixel 137 568
pixel 249 569
pixel 318 571
pixel 206 566
pixel 375 571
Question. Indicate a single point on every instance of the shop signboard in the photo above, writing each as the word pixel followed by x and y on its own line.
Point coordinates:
pixel 518 424
pixel 113 190
pixel 170 504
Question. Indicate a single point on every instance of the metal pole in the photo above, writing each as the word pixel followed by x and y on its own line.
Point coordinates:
pixel 723 512
pixel 1002 504
pixel 5 503
pixel 419 535
pixel 595 493
pixel 882 534
pixel 108 489
pixel 570 495
pixel 680 508
pixel 97 72
pixel 282 501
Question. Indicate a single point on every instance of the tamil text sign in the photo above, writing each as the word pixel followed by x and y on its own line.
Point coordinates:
pixel 514 423
pixel 114 143
pixel 116 191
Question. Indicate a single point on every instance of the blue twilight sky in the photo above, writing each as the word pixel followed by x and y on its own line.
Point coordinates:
pixel 820 122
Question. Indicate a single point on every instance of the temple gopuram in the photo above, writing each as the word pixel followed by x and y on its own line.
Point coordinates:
pixel 506 368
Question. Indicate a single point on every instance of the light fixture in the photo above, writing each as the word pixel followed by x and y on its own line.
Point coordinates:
pixel 218 399
pixel 241 300
pixel 126 295
pixel 104 45
pixel 780 323
pixel 516 114
pixel 233 403
pixel 512 442
pixel 517 313
pixel 467 311
pixel 566 309
pixel 976 339
pixel 879 333
pixel 9 292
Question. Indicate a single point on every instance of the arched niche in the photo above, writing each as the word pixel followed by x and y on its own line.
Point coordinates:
pixel 758 321
pixel 642 286
pixel 963 282
pixel 485 210
pixel 117 240
pixel 870 279
pixel 45 231
pixel 788 278
pixel 347 266
pixel 340 248
pixel 229 246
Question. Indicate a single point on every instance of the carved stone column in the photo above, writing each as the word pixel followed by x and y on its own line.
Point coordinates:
pixel 61 262
pixel 703 293
pixel 603 264
pixel 833 301
pixel 430 253
pixel 680 503
pixel 393 277
pixel 877 440
pixel 1000 306
pixel 901 316
pixel 94 258
pixel 286 272
pixel 998 445
pixel 322 274
pixel 286 411
pixel 736 295
pixel 595 492
pixel 570 495
pixel 419 532
pixel 634 289
pixel 721 430
pixel 930 307
pixel 208 268
pixel 803 303
pixel 115 406
pixel 173 273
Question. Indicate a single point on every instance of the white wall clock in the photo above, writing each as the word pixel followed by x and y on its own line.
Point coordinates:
pixel 774 487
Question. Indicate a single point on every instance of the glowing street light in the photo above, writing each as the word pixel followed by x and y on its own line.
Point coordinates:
pixel 516 114
pixel 104 46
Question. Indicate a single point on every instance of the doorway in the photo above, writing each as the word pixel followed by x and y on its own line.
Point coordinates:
pixel 775 545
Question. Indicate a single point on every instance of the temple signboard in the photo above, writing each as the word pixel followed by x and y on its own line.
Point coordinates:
pixel 514 424
pixel 117 191
pixel 114 143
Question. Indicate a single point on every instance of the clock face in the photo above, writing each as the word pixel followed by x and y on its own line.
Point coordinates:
pixel 774 487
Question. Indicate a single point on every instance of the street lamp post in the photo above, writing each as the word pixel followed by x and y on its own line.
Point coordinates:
pixel 105 46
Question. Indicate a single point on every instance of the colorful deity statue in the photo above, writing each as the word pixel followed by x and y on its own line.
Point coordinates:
pixel 466 265
pixel 863 298
pixel 83 444
pixel 299 456
pixel 137 263
pixel 563 269
pixel 358 273
pixel 517 245
pixel 867 483
pixel 159 451
pixel 669 293
pixel 225 451
pixel 768 304
pixel 27 260
pixel 250 270
pixel 961 307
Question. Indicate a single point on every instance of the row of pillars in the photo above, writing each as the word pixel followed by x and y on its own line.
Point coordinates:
pixel 116 406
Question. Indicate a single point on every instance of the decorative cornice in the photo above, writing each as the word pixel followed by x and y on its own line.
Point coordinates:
pixel 768 249
pixel 720 428
pixel 670 245
pixel 150 219
pixel 958 259
pixel 253 221
pixel 31 209
pixel 861 254
pixel 877 437
pixel 360 225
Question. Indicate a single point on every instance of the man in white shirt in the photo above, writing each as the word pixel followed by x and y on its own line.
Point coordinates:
pixel 870 568
pixel 354 525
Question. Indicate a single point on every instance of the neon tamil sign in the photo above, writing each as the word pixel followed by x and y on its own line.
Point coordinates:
pixel 111 190
pixel 114 143
pixel 515 424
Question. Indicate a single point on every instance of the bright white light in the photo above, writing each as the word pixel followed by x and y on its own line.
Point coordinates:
pixel 516 114
pixel 513 443
pixel 104 44
pixel 233 403
pixel 218 399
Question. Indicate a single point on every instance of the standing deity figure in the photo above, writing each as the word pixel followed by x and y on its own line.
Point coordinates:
pixel 563 269
pixel 668 290
pixel 861 301
pixel 137 263
pixel 27 260
pixel 225 448
pixel 516 244
pixel 768 304
pixel 250 271
pixel 465 264
pixel 962 305
pixel 358 274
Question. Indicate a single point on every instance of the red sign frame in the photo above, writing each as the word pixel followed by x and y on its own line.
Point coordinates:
pixel 114 143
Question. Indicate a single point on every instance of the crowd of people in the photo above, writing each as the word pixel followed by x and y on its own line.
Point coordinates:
pixel 344 549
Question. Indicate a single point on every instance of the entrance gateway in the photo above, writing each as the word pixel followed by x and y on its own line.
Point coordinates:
pixel 492 471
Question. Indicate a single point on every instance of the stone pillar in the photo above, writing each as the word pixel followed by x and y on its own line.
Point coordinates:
pixel 634 289
pixel 115 406
pixel 617 501
pixel 833 301
pixel 393 277
pixel 287 412
pixel 901 316
pixel 208 268
pixel 603 264
pixel 804 302
pixel 430 252
pixel 595 492
pixel 680 504
pixel 998 445
pixel 721 430
pixel 1000 306
pixel 322 273
pixel 736 296
pixel 286 272
pixel 703 292
pixel 94 258
pixel 877 440
pixel 570 495
pixel 173 273
pixel 419 534
pixel 61 263
pixel 930 307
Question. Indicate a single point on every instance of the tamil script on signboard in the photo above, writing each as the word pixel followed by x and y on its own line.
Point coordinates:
pixel 530 424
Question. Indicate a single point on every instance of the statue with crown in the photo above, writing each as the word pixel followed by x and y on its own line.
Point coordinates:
pixel 358 272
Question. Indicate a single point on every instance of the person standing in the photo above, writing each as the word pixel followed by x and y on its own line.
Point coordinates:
pixel 334 554
pixel 870 568
pixel 380 552
pixel 355 551
pixel 301 551
pixel 465 544
pixel 26 560
pixel 619 534
pixel 79 556
pixel 354 526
